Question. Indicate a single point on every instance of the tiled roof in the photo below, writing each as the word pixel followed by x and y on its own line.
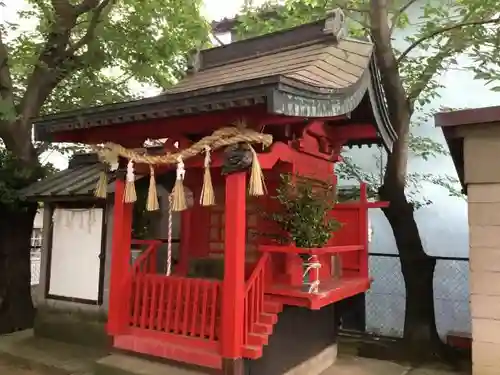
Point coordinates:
pixel 78 181
pixel 325 64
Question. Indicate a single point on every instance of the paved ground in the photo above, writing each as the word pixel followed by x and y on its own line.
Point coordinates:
pixel 365 366
pixel 344 366
pixel 23 354
pixel 10 370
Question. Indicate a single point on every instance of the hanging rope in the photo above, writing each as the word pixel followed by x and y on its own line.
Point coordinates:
pixel 110 152
pixel 130 193
pixel 220 138
pixel 169 237
pixel 178 194
pixel 313 265
pixel 207 197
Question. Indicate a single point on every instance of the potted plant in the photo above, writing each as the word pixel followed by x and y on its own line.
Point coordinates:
pixel 305 213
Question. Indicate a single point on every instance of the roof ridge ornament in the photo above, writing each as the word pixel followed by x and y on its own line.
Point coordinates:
pixel 194 62
pixel 336 24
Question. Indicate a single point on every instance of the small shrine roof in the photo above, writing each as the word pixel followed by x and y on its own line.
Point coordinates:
pixel 78 181
pixel 310 71
pixel 455 124
pixel 324 65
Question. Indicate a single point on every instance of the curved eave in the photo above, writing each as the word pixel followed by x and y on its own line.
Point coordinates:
pixel 379 108
pixel 240 94
pixel 282 95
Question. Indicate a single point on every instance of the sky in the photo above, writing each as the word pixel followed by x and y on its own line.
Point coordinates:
pixel 212 9
pixel 218 9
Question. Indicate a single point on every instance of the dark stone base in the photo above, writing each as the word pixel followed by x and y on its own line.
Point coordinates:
pixel 233 367
pixel 303 342
pixel 72 327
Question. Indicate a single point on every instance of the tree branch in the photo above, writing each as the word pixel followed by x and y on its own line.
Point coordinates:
pixel 6 93
pixel 57 58
pixel 386 60
pixel 441 31
pixel 85 6
pixel 395 174
pixel 434 63
pixel 398 14
pixel 6 96
pixel 94 21
pixel 64 11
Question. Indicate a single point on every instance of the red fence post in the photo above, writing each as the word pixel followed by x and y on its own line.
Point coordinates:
pixel 118 312
pixel 363 231
pixel 233 297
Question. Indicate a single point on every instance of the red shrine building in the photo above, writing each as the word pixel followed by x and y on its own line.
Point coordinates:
pixel 309 89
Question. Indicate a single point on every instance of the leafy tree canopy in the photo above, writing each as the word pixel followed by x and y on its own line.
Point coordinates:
pixel 64 54
pixel 443 34
pixel 114 47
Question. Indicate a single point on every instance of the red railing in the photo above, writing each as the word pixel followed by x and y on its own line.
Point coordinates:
pixel 147 261
pixel 177 305
pixel 254 296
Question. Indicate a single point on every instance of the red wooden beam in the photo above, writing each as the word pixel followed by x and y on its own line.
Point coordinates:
pixel 287 249
pixel 279 152
pixel 349 205
pixel 203 123
pixel 354 131
pixel 363 231
pixel 233 300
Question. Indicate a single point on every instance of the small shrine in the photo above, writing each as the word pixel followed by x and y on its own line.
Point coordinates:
pixel 245 115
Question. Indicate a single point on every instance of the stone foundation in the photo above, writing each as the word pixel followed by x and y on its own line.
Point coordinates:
pixel 85 328
pixel 304 342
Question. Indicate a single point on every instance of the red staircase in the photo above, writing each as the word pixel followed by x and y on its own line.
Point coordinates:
pixel 258 335
pixel 178 318
pixel 261 312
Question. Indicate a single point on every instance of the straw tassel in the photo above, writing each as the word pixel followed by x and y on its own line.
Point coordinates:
pixel 257 186
pixel 207 197
pixel 152 203
pixel 101 189
pixel 178 194
pixel 130 194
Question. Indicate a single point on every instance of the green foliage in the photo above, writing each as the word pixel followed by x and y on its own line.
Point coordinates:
pixel 438 40
pixel 13 176
pixel 305 213
pixel 136 43
pixel 50 62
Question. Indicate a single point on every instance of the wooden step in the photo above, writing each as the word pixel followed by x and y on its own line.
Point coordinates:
pixel 272 307
pixel 252 352
pixel 163 349
pixel 258 339
pixel 268 318
pixel 262 328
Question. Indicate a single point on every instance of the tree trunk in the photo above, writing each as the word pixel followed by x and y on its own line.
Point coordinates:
pixel 16 306
pixel 420 333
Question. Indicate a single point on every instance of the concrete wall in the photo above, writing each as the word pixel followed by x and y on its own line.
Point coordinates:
pixel 482 173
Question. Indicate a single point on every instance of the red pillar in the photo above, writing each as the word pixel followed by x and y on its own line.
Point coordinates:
pixel 363 230
pixel 119 288
pixel 233 297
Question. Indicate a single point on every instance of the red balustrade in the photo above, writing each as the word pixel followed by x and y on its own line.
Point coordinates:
pixel 254 296
pixel 176 305
pixel 146 262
